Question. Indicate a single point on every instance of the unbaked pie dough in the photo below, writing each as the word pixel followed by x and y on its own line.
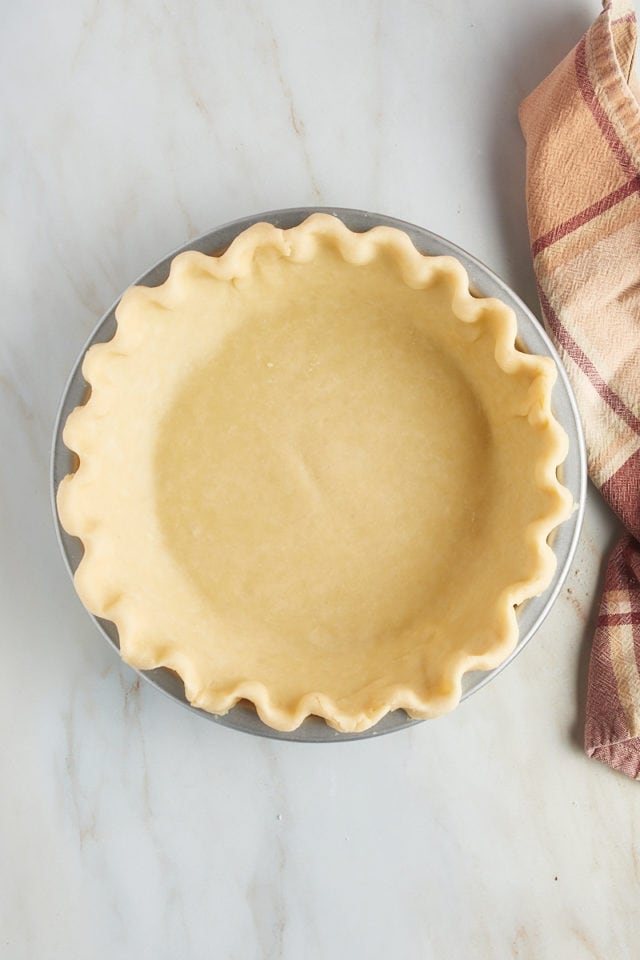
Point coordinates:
pixel 315 473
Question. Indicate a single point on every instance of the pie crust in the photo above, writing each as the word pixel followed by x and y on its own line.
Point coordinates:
pixel 315 473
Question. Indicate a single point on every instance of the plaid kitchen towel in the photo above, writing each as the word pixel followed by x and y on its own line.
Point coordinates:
pixel 582 128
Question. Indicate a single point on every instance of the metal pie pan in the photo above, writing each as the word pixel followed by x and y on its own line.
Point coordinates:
pixel 531 336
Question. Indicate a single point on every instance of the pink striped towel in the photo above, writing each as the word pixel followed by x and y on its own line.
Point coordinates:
pixel 582 127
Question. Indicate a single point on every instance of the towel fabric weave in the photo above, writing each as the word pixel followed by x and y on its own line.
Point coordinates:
pixel 582 129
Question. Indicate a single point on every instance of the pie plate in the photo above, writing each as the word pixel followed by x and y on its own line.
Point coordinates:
pixel 531 339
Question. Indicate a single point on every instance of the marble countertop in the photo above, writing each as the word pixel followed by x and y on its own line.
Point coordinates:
pixel 128 826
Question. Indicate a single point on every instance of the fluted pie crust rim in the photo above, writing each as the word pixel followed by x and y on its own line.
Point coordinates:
pixel 159 626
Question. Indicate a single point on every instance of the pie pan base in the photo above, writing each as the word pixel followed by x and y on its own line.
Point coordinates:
pixel 532 339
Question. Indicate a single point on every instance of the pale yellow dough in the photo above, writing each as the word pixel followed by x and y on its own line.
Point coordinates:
pixel 316 473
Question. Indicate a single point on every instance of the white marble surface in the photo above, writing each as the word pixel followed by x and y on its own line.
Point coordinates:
pixel 129 827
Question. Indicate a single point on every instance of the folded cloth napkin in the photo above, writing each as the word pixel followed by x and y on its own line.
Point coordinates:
pixel 582 128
